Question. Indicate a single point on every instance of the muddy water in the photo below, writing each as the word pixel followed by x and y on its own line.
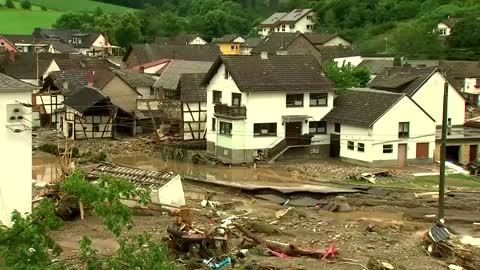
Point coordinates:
pixel 186 168
pixel 45 168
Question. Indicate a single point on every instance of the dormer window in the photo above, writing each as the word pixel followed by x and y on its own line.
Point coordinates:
pixel 74 40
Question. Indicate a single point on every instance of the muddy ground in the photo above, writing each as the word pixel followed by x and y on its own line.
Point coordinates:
pixel 388 226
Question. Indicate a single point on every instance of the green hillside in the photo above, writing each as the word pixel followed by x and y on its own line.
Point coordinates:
pixel 78 5
pixel 19 21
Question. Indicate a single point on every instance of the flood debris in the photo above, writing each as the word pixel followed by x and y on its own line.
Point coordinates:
pixel 441 243
pixel 339 204
pixel 375 264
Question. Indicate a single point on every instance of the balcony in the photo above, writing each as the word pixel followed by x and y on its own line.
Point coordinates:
pixel 230 112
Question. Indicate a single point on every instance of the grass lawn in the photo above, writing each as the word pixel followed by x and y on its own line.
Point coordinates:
pixel 453 182
pixel 79 5
pixel 19 21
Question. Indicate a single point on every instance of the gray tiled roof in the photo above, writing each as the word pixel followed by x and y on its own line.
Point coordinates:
pixel 328 53
pixel 227 38
pixel 76 79
pixel 146 53
pixel 182 39
pixel 135 78
pixel 295 15
pixel 62 47
pixel 272 20
pixel 9 83
pixel 24 65
pixel 319 38
pixel 276 41
pixel 402 79
pixel 277 73
pixel 191 89
pixel 376 66
pixel 66 36
pixel 251 42
pixel 361 107
pixel 171 74
pixel 84 99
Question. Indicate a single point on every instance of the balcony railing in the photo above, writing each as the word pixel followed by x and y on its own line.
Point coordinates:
pixel 230 111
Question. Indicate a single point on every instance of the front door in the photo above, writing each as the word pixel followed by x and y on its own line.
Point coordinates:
pixel 293 132
pixel 402 154
pixel 473 152
pixel 334 145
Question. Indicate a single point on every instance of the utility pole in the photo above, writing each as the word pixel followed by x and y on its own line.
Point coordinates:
pixel 443 155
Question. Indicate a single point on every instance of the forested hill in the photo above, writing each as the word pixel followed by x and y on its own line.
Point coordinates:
pixel 393 26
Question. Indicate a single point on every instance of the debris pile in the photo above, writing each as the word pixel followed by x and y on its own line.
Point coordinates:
pixel 442 243
pixel 218 242
pixel 339 172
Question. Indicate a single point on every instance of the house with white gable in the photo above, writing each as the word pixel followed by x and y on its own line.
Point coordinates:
pixel 264 107
pixel 425 86
pixel 297 20
pixel 16 145
pixel 444 28
pixel 380 128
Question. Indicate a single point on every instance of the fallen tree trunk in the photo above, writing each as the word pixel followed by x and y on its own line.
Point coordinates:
pixel 288 249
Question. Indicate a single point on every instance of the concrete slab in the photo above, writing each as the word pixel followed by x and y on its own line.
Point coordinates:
pixel 285 188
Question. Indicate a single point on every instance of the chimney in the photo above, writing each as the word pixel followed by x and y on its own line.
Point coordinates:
pixel 264 55
pixel 90 78
pixel 12 56
pixel 142 69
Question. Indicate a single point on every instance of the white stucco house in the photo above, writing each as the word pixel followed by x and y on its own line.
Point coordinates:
pixel 297 20
pixel 445 27
pixel 380 128
pixel 425 86
pixel 16 145
pixel 263 107
pixel 182 39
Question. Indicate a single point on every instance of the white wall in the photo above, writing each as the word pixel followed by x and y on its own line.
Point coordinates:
pixel 194 116
pixel 336 41
pixel 357 135
pixel 447 29
pixel 15 159
pixel 105 125
pixel 46 100
pixel 52 67
pixel 352 60
pixel 430 98
pixel 101 41
pixel 258 112
pixel 469 86
pixel 198 41
pixel 300 26
pixel 385 130
pixel 145 92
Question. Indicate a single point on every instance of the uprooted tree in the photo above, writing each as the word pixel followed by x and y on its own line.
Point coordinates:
pixel 28 244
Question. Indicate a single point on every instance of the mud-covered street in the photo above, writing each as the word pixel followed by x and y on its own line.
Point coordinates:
pixel 385 223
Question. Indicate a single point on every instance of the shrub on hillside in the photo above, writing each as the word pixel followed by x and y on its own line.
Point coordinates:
pixel 9 4
pixel 26 4
pixel 44 8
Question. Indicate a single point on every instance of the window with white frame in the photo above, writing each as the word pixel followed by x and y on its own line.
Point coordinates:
pixel 294 100
pixel 317 127
pixel 236 99
pixel 283 27
pixel 318 100
pixel 265 129
pixel 388 148
pixel 350 145
pixel 403 129
pixel 309 26
pixel 214 123
pixel 309 17
pixel 361 147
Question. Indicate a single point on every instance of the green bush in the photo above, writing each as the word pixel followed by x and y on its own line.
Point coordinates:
pixel 9 4
pixel 26 4
pixel 44 8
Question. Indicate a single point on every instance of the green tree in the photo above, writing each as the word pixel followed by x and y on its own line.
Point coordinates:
pixel 346 76
pixel 9 4
pixel 28 245
pixel 74 20
pixel 128 31
pixel 466 34
pixel 26 4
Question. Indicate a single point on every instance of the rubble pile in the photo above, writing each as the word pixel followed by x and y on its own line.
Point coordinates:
pixel 340 172
pixel 114 147
pixel 460 252
pixel 224 239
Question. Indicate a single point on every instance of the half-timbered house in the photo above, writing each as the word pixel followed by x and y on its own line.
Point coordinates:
pixel 194 106
pixel 88 114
